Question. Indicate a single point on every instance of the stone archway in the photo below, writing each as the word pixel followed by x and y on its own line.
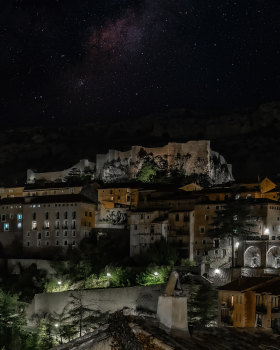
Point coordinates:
pixel 252 257
pixel 273 257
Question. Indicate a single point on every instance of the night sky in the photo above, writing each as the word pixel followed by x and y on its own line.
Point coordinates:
pixel 86 60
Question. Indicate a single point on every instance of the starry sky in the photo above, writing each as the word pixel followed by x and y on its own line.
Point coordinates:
pixel 68 61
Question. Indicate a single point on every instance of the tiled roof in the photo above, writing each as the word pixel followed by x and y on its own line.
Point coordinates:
pixel 67 198
pixel 244 283
pixel 271 287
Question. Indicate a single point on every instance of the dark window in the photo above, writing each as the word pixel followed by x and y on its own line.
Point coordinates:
pixel 85 213
pixel 177 217
pixel 73 215
pixel 66 215
pixel 47 215
pixel 39 235
pixel 33 216
pixel 57 215
pixel 90 214
pixel 216 243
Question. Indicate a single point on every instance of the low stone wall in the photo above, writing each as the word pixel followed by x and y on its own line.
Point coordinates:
pixel 106 300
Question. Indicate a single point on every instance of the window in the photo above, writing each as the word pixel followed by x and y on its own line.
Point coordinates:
pixel 65 234
pixel 186 218
pixel 66 215
pixel 19 217
pixel 39 236
pixel 73 242
pixel 11 215
pixel 202 229
pixel 33 216
pixel 39 243
pixel 141 216
pixel 57 224
pixel 216 243
pixel 47 234
pixel 224 252
pixel 47 216
pixel 203 241
pixel 73 215
pixel 177 217
pixel 57 233
pixel 57 215
pixel 6 226
pixel 216 252
pixel 56 242
pixel 206 217
pixel 3 217
pixel 90 214
pixel 198 252
pixel 47 243
pixel 73 233
pixel 28 244
pixel 65 242
pixel 34 225
pixel 135 227
pixel 85 213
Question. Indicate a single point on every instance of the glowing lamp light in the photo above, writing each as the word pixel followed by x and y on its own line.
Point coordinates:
pixel 217 271
pixel 59 283
pixel 108 274
pixel 156 273
pixel 237 244
pixel 56 325
pixel 266 231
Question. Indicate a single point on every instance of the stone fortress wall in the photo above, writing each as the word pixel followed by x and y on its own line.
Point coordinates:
pixel 191 158
pixel 58 176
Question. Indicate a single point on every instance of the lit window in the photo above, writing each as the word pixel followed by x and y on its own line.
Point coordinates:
pixel 19 217
pixel 19 225
pixel 6 226
pixel 34 225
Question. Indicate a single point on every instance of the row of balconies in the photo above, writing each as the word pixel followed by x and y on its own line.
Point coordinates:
pixel 56 227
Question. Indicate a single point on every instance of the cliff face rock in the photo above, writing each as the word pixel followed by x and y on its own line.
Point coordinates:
pixel 143 163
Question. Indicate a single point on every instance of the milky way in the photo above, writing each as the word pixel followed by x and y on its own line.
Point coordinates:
pixel 68 61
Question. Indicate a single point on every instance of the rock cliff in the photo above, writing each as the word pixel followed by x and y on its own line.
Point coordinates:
pixel 193 158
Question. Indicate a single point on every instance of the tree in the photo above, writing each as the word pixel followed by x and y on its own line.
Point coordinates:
pixel 159 253
pixel 202 304
pixel 12 320
pixel 233 220
pixel 83 317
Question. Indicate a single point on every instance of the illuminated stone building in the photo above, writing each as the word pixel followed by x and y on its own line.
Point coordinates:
pixel 56 221
pixel 11 224
pixel 250 302
pixel 147 227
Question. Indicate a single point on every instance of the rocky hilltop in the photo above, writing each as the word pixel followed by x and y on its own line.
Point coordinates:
pixel 193 158
pixel 249 139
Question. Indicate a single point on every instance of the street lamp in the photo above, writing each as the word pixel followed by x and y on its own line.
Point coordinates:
pixel 156 273
pixel 108 274
pixel 217 271
pixel 59 283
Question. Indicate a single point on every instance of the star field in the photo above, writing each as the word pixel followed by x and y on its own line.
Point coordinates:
pixel 67 61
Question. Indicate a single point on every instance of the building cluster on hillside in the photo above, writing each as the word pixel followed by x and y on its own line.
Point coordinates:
pixel 57 215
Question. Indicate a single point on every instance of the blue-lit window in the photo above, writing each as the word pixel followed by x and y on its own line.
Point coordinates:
pixel 19 217
pixel 19 225
pixel 6 226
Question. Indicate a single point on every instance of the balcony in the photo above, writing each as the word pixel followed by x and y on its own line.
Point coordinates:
pixel 261 309
pixel 275 310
